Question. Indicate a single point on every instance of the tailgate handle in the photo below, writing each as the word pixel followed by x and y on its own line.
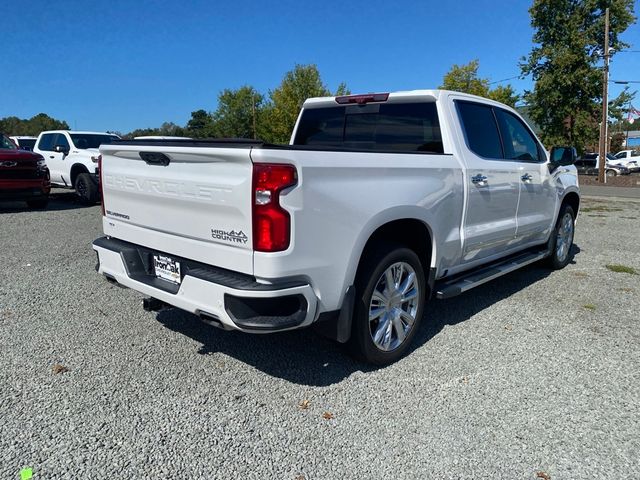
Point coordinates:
pixel 155 158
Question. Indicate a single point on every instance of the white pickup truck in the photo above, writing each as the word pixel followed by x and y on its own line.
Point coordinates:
pixel 72 158
pixel 380 202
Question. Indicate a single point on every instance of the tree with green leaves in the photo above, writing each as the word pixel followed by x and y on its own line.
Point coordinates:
pixel 565 66
pixel 465 79
pixel 33 126
pixel 200 125
pixel 167 129
pixel 238 114
pixel 281 112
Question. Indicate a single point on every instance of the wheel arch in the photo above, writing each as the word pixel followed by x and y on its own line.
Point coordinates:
pixel 76 170
pixel 572 199
pixel 409 232
pixel 408 228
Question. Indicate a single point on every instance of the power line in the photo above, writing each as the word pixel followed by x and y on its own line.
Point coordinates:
pixel 505 79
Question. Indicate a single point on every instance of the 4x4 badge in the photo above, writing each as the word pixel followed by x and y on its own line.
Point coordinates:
pixel 232 236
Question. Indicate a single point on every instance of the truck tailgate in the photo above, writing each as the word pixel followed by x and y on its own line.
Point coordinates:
pixel 186 200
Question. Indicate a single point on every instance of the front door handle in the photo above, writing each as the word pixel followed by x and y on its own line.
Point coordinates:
pixel 526 178
pixel 479 180
pixel 52 156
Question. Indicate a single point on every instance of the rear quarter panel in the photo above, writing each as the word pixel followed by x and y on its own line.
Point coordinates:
pixel 343 197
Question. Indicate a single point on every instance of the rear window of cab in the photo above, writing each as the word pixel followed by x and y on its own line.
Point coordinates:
pixel 383 127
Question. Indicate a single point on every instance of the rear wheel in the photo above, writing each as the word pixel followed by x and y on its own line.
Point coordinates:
pixel 38 203
pixel 391 290
pixel 562 238
pixel 86 189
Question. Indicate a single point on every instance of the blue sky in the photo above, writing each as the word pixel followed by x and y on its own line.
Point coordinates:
pixel 121 65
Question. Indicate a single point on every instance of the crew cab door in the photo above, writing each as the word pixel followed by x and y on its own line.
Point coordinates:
pixel 55 160
pixel 492 184
pixel 536 207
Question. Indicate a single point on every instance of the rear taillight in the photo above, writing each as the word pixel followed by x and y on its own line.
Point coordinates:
pixel 100 184
pixel 271 223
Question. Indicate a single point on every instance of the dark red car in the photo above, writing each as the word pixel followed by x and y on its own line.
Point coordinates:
pixel 23 175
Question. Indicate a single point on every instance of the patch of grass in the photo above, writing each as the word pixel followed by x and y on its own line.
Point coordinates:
pixel 589 306
pixel 600 208
pixel 622 269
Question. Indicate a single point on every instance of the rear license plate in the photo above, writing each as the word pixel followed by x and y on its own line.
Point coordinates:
pixel 166 268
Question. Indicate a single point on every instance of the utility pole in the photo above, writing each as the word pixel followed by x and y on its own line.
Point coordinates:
pixel 253 111
pixel 626 140
pixel 605 101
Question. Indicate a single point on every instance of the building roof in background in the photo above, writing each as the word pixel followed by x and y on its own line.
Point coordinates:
pixel 633 133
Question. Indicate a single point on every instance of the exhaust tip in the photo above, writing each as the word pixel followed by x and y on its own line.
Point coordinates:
pixel 211 319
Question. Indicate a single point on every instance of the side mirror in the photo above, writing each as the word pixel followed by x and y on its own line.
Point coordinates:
pixel 562 156
pixel 61 149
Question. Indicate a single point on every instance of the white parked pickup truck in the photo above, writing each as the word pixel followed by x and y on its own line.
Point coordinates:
pixel 379 203
pixel 72 158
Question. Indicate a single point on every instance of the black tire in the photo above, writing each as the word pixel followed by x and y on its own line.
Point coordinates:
pixel 560 258
pixel 86 189
pixel 38 203
pixel 370 274
pixel 611 173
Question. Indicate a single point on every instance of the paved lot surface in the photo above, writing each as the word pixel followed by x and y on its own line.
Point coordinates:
pixel 537 373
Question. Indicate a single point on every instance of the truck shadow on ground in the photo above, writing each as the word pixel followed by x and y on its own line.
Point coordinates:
pixel 59 200
pixel 305 358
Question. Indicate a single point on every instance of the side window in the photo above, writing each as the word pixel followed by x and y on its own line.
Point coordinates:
pixel 518 142
pixel 480 129
pixel 46 142
pixel 62 141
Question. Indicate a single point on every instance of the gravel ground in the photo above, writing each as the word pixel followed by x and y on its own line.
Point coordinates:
pixel 535 374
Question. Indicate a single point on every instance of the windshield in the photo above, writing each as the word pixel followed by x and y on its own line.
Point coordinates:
pixel 26 143
pixel 91 140
pixel 6 143
pixel 610 156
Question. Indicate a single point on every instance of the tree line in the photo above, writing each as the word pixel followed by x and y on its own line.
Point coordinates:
pixel 564 64
pixel 246 113
pixel 32 126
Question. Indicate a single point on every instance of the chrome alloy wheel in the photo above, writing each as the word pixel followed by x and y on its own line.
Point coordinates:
pixel 564 237
pixel 393 306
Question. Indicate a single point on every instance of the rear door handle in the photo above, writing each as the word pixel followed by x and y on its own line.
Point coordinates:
pixel 479 180
pixel 526 178
pixel 52 156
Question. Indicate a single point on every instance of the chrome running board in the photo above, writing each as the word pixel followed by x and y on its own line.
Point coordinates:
pixel 467 281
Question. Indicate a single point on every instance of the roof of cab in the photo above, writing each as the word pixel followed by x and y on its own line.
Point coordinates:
pixel 79 132
pixel 431 95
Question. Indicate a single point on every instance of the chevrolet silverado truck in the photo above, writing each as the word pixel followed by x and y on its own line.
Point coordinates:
pixel 379 203
pixel 72 158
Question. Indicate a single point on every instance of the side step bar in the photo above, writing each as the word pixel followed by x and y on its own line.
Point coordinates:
pixel 456 286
